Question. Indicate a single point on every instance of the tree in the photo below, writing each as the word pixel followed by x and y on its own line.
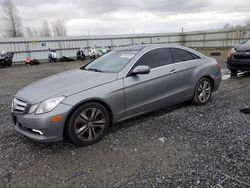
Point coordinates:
pixel 12 19
pixel 45 31
pixel 59 28
pixel 31 32
pixel 247 22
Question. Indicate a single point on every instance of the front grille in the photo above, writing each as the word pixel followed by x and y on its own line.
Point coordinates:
pixel 19 105
pixel 242 56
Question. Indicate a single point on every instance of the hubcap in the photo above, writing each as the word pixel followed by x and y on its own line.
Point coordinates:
pixel 89 124
pixel 204 91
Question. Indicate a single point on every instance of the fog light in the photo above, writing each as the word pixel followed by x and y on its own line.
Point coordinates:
pixel 37 131
pixel 56 119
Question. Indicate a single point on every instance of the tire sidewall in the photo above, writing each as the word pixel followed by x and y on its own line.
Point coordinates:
pixel 195 98
pixel 70 125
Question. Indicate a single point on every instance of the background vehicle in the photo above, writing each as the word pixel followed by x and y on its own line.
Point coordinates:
pixel 239 58
pixel 30 61
pixel 125 83
pixel 6 58
pixel 80 54
pixel 101 52
pixel 52 56
pixel 92 53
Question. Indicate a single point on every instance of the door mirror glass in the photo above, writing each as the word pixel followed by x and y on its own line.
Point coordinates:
pixel 141 69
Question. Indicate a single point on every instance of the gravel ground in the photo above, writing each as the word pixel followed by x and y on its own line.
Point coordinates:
pixel 180 146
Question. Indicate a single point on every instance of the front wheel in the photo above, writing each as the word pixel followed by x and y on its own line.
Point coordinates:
pixel 203 91
pixel 88 124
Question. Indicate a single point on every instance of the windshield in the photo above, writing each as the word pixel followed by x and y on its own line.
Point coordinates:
pixel 112 62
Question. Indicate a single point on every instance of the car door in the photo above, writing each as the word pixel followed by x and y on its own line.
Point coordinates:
pixel 149 91
pixel 185 62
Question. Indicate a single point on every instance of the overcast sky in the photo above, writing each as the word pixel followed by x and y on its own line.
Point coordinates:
pixel 134 16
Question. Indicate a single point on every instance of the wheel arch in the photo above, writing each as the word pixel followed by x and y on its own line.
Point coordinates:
pixel 211 79
pixel 108 108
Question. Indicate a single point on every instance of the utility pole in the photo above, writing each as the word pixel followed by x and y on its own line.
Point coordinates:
pixel 182 37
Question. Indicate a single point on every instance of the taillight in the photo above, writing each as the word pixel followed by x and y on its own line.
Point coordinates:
pixel 229 53
pixel 218 66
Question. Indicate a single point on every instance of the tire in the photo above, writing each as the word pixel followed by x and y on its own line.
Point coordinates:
pixel 203 91
pixel 88 124
pixel 234 72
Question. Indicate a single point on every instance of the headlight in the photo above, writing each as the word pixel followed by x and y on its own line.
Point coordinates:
pixel 33 108
pixel 49 105
pixel 233 51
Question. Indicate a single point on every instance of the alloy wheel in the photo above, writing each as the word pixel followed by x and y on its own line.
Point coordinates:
pixel 89 124
pixel 204 91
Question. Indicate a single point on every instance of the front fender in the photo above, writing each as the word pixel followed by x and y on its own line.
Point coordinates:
pixel 111 94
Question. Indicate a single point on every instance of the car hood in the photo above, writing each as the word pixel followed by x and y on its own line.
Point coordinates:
pixel 243 47
pixel 63 84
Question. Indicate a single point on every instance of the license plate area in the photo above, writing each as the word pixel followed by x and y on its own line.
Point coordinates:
pixel 14 119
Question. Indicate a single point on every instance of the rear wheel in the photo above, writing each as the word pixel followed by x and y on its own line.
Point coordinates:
pixel 202 92
pixel 88 124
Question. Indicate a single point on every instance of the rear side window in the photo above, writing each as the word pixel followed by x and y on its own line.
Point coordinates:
pixel 180 55
pixel 194 55
pixel 156 58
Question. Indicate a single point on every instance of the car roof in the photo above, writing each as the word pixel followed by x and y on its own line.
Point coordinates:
pixel 142 46
pixel 133 48
pixel 146 47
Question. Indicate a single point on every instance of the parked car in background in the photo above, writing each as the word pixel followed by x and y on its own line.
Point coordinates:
pixel 239 58
pixel 52 55
pixel 101 52
pixel 81 104
pixel 80 54
pixel 92 53
pixel 6 58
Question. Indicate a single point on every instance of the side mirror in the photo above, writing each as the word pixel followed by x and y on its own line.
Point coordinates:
pixel 141 69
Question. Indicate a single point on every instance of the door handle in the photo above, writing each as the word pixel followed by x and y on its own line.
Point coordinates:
pixel 173 71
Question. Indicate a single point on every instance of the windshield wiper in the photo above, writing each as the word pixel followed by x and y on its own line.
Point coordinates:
pixel 93 69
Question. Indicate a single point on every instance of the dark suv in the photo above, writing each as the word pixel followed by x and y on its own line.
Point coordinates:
pixel 239 58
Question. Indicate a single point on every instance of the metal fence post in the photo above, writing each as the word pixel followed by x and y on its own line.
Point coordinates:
pixel 60 48
pixel 204 40
pixel 151 40
pixel 28 49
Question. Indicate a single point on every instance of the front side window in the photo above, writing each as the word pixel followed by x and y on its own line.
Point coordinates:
pixel 156 58
pixel 180 55
pixel 113 62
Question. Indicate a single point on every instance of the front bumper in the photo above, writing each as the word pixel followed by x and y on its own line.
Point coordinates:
pixel 238 64
pixel 39 127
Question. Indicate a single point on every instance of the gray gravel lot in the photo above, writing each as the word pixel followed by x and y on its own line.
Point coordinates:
pixel 180 146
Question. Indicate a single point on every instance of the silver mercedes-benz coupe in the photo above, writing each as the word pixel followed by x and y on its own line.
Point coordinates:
pixel 81 104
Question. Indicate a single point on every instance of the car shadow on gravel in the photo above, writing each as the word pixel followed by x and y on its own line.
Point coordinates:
pixel 144 118
pixel 245 110
pixel 66 143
